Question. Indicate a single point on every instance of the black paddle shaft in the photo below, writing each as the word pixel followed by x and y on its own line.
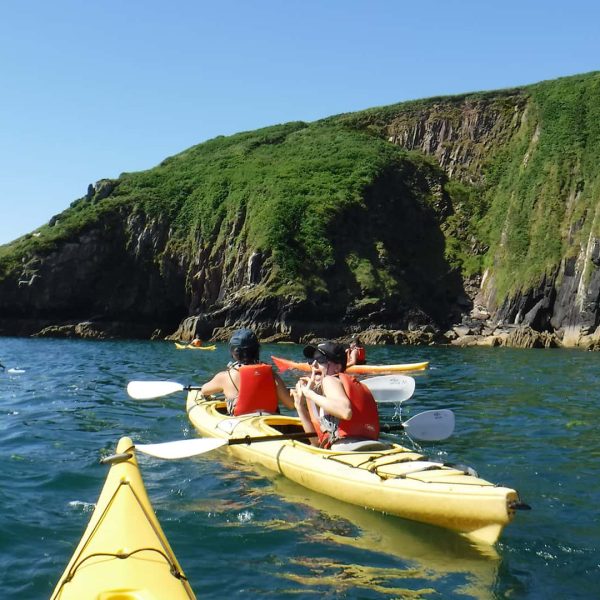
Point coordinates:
pixel 387 428
pixel 301 435
pixel 268 438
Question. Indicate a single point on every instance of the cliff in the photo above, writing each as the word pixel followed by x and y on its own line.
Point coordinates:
pixel 530 156
pixel 479 208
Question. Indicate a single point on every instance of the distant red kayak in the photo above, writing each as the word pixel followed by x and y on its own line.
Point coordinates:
pixel 283 364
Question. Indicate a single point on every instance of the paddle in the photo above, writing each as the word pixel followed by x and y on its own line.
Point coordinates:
pixel 148 390
pixel 431 425
pixel 387 388
pixel 390 388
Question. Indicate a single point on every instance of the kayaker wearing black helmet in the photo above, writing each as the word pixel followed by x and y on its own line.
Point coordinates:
pixel 334 405
pixel 249 386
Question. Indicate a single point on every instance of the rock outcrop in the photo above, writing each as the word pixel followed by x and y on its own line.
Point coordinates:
pixel 106 276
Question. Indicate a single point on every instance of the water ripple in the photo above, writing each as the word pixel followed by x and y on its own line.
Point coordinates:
pixel 526 419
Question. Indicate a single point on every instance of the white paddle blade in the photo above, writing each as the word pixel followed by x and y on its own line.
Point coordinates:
pixel 431 425
pixel 181 448
pixel 390 388
pixel 146 390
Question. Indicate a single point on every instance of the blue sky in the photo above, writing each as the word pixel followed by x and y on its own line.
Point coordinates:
pixel 90 89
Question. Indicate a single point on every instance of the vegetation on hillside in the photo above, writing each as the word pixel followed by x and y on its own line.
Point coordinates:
pixel 288 185
pixel 538 199
pixel 284 190
pixel 542 189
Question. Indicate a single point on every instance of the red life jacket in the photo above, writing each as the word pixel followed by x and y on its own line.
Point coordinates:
pixel 257 390
pixel 361 356
pixel 364 422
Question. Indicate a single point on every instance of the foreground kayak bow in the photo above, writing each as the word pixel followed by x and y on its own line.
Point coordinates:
pixel 124 553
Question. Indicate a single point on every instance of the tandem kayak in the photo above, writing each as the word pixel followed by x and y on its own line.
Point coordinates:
pixel 123 553
pixel 190 347
pixel 283 364
pixel 391 479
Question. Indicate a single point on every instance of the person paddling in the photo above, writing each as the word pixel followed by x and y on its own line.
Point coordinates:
pixel 355 354
pixel 196 343
pixel 334 405
pixel 249 386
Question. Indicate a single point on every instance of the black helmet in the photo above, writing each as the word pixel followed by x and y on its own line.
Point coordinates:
pixel 244 346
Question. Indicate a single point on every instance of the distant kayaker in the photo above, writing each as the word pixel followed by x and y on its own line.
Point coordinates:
pixel 334 405
pixel 248 385
pixel 196 342
pixel 355 354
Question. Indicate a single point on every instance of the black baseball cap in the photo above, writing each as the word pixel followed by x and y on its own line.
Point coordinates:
pixel 331 350
pixel 243 338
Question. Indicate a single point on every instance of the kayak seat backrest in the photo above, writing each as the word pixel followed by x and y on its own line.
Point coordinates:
pixel 362 445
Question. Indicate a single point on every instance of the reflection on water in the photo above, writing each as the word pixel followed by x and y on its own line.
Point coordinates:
pixel 324 573
pixel 430 552
pixel 421 553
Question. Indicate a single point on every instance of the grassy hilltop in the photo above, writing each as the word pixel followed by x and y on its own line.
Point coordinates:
pixel 388 207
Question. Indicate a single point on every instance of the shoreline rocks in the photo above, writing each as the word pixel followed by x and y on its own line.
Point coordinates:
pixel 470 332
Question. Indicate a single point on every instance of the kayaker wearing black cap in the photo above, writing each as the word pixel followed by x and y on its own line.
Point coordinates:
pixel 249 386
pixel 334 405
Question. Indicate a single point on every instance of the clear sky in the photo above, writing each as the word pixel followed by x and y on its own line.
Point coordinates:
pixel 93 88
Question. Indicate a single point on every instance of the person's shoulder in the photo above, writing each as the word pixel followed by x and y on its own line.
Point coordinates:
pixel 221 374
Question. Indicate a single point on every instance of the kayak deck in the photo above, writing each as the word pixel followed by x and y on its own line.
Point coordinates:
pixel 395 480
pixel 124 553
pixel 284 364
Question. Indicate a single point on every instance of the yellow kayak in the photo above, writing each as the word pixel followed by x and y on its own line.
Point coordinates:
pixel 392 479
pixel 123 554
pixel 190 347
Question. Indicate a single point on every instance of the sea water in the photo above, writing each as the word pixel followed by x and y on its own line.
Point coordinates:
pixel 527 419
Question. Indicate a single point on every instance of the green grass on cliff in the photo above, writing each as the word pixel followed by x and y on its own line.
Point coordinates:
pixel 274 190
pixel 522 205
pixel 543 188
pixel 278 190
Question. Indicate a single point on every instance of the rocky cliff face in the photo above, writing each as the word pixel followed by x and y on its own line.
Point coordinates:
pixel 528 157
pixel 461 136
pixel 108 274
pixel 465 138
pixel 129 275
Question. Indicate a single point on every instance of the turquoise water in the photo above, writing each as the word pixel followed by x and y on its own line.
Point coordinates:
pixel 527 419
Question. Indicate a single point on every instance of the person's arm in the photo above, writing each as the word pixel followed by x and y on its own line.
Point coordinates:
pixel 333 401
pixel 352 358
pixel 216 385
pixel 283 394
pixel 303 410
